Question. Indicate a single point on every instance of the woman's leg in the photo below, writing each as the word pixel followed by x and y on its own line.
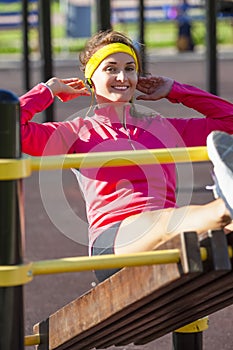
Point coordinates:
pixel 145 231
pixel 104 244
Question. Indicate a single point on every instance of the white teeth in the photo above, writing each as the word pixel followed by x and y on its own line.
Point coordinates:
pixel 120 87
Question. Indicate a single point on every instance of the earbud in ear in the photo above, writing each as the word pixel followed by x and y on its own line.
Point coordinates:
pixel 89 82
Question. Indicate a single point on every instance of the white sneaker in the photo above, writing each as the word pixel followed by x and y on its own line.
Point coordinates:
pixel 220 151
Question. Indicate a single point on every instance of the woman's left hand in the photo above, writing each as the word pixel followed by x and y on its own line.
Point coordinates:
pixel 154 87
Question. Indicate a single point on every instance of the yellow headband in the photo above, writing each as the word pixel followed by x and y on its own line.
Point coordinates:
pixel 104 52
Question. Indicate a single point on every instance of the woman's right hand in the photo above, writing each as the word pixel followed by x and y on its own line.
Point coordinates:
pixel 154 87
pixel 67 89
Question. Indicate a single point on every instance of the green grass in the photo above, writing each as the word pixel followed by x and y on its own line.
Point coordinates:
pixel 156 35
pixel 165 34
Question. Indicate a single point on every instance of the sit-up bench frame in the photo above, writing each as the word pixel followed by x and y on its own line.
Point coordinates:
pixel 140 304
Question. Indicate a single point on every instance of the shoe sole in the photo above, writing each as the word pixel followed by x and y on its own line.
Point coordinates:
pixel 220 151
pixel 224 141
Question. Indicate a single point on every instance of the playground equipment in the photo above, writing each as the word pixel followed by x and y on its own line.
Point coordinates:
pixel 172 289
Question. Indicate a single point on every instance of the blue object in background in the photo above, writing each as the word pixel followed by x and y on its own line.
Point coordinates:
pixel 78 21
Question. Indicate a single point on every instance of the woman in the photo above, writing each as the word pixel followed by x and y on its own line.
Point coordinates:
pixel 133 208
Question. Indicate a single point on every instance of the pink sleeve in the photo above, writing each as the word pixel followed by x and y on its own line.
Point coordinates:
pixel 205 103
pixel 47 138
pixel 34 101
pixel 218 113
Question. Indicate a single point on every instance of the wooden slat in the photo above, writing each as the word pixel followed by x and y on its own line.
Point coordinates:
pixel 94 315
pixel 212 296
pixel 143 303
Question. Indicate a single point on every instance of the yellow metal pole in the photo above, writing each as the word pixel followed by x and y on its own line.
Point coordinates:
pixel 20 168
pixel 22 274
pixel 31 340
pixel 203 252
pixel 197 326
pixel 77 264
pixel 120 158
pixel 11 169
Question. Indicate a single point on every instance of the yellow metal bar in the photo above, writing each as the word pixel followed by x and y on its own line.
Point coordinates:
pixel 203 252
pixel 104 262
pixel 21 274
pixel 15 275
pixel 31 340
pixel 197 326
pixel 12 169
pixel 120 158
pixel 230 252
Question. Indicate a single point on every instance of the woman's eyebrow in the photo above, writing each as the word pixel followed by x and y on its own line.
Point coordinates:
pixel 115 62
pixel 131 62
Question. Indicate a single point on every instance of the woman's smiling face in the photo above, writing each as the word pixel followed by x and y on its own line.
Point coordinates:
pixel 115 79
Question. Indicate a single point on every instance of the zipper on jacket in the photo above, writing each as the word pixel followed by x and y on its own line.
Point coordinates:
pixel 127 131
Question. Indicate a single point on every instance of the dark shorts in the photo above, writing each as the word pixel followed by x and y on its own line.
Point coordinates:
pixel 104 244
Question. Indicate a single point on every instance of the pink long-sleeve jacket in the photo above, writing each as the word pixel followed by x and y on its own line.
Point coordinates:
pixel 112 194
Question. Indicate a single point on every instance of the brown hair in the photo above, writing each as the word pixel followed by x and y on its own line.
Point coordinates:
pixel 101 39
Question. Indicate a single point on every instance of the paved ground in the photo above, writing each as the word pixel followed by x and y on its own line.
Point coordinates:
pixel 55 220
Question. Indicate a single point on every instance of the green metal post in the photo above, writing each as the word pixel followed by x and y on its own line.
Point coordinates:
pixel 211 46
pixel 184 341
pixel 103 11
pixel 190 336
pixel 11 298
pixel 26 50
pixel 142 34
pixel 45 36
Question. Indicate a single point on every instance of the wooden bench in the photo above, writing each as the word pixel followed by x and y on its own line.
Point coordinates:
pixel 140 304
